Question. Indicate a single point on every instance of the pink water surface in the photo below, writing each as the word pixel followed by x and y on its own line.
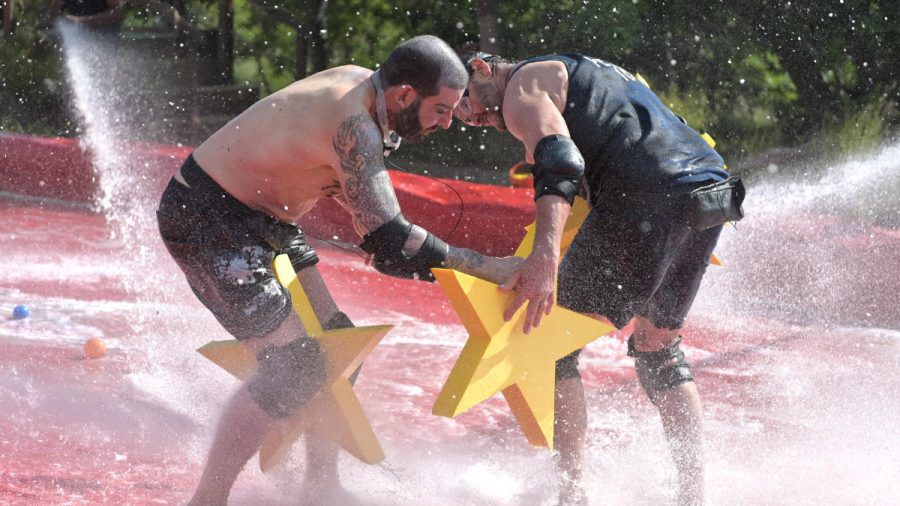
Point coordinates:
pixel 801 404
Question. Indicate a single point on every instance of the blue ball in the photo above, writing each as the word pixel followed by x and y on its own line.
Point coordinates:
pixel 21 312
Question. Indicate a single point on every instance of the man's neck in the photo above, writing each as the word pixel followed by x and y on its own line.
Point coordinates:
pixel 390 138
pixel 503 73
pixel 372 99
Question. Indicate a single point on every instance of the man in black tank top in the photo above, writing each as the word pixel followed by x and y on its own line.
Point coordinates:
pixel 592 129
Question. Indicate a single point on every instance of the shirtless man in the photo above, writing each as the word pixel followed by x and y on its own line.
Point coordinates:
pixel 233 206
pixel 590 128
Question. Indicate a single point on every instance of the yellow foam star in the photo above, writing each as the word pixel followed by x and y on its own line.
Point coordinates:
pixel 335 412
pixel 499 356
pixel 579 212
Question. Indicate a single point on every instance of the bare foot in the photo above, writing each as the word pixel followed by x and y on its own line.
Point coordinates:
pixel 220 500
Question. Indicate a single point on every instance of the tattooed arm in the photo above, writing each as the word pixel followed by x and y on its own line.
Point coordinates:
pixel 370 197
pixel 367 187
pixel 495 270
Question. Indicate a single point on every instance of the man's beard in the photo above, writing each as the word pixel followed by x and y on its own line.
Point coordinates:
pixel 492 101
pixel 406 122
pixel 501 123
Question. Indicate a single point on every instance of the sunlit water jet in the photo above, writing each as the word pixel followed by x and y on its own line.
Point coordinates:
pixel 116 103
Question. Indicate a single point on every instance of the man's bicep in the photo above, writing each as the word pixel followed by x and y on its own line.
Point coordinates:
pixel 531 118
pixel 366 184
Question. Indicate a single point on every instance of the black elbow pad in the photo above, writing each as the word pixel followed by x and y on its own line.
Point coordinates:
pixel 558 168
pixel 386 244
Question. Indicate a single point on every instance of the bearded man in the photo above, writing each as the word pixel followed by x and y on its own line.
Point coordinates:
pixel 233 206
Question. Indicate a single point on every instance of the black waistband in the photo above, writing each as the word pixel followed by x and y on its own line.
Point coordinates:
pixel 196 178
pixel 204 203
pixel 207 191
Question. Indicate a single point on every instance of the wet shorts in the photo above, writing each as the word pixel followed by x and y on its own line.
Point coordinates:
pixel 627 262
pixel 225 250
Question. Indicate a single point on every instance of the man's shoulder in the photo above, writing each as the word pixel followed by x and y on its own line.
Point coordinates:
pixel 537 78
pixel 345 76
pixel 549 69
pixel 330 97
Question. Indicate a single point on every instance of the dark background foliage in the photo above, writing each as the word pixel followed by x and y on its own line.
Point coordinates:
pixel 757 75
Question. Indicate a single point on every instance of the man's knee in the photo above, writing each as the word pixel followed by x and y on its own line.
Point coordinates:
pixel 660 370
pixel 649 335
pixel 287 376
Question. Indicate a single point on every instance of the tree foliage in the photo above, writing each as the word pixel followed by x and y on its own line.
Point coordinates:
pixel 755 74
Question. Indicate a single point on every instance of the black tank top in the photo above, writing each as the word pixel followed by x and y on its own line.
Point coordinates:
pixel 629 139
pixel 85 7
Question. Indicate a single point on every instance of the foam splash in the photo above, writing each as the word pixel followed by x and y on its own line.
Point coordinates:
pixel 864 187
pixel 116 103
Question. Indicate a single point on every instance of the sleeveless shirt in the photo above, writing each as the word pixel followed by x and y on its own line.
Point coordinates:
pixel 630 141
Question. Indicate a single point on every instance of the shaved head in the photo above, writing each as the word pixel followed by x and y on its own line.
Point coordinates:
pixel 426 63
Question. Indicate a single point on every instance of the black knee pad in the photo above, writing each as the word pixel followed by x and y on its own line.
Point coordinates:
pixel 660 370
pixel 567 367
pixel 287 376
pixel 341 321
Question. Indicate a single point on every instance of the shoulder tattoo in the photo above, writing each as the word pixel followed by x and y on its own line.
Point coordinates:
pixel 367 188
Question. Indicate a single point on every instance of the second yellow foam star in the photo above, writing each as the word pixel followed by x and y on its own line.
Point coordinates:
pixel 499 356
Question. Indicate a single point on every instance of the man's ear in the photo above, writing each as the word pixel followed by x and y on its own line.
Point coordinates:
pixel 406 95
pixel 482 68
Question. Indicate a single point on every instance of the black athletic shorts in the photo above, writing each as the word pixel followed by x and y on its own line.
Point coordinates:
pixel 631 260
pixel 225 250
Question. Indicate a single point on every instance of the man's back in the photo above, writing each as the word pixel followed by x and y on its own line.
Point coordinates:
pixel 628 138
pixel 278 155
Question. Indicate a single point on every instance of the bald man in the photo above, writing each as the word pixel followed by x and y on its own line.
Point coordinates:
pixel 234 204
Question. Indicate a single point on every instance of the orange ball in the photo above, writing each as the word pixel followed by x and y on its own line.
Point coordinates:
pixel 94 348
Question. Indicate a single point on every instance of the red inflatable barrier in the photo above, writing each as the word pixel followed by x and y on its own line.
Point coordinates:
pixel 491 218
pixel 44 167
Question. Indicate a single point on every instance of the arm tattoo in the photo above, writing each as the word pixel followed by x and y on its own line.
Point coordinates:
pixel 461 259
pixel 367 187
